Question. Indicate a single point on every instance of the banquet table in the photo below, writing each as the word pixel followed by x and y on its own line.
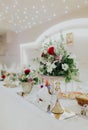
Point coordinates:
pixel 17 113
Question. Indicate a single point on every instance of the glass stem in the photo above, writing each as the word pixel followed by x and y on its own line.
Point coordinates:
pixel 65 88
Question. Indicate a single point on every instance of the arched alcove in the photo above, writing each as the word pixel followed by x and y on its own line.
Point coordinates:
pixel 81 23
pixel 79 29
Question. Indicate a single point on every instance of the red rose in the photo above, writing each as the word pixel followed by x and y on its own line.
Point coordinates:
pixel 27 71
pixel 51 50
pixel 3 76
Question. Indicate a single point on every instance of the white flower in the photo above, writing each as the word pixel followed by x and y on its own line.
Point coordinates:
pixel 77 64
pixel 64 67
pixel 48 64
pixel 72 56
pixel 27 76
pixel 42 66
pixel 45 51
pixel 50 67
pixel 42 60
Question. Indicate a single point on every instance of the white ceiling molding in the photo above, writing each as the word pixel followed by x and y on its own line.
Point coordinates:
pixel 63 26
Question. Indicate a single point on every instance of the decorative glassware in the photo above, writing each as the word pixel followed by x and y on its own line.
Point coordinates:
pixel 27 87
pixel 53 82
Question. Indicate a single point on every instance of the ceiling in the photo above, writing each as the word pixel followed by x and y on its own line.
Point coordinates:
pixel 19 15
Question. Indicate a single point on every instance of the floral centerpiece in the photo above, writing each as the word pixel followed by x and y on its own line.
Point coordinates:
pixel 28 78
pixel 12 76
pixel 55 60
pixel 3 74
pixel 28 75
pixel 10 79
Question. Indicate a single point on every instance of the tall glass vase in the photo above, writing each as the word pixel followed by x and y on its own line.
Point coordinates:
pixel 54 84
pixel 53 81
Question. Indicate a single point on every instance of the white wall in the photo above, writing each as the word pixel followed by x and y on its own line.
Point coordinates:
pixel 11 49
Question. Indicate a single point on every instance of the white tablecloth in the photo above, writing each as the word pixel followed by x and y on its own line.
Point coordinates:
pixel 18 114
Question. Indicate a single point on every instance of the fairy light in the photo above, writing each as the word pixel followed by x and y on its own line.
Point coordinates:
pixel 28 16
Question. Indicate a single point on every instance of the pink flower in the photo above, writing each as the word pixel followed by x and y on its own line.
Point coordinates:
pixel 59 58
pixel 30 80
pixel 51 50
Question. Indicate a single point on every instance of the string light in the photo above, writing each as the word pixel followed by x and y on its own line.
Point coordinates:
pixel 26 17
pixel 66 11
pixel 78 6
pixel 64 0
pixel 86 1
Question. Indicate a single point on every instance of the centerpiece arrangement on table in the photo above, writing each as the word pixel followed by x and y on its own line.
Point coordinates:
pixel 55 60
pixel 27 79
pixel 10 79
pixel 56 63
